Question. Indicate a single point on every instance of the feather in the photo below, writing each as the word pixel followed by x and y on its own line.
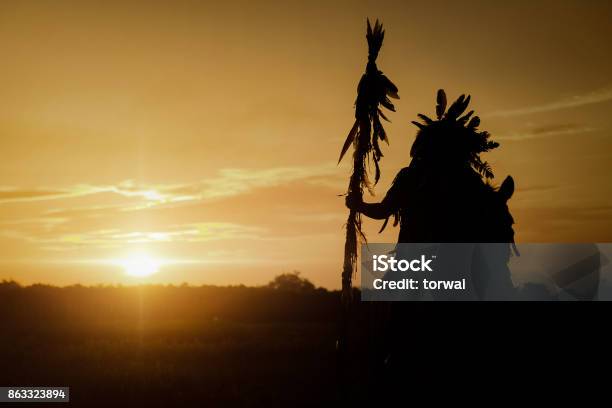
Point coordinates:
pixel 426 119
pixel 349 140
pixel 473 124
pixel 380 130
pixel 387 104
pixel 377 171
pixel 375 37
pixel 390 88
pixel 466 103
pixel 465 118
pixel 382 115
pixel 418 124
pixel 377 135
pixel 392 94
pixel 384 225
pixel 441 105
pixel 383 134
pixel 483 168
pixel 456 108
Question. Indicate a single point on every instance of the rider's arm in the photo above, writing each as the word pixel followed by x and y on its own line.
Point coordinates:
pixel 390 204
pixel 377 211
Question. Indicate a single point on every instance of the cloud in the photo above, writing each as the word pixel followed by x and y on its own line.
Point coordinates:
pixel 564 223
pixel 228 182
pixel 594 97
pixel 538 188
pixel 8 194
pixel 11 194
pixel 324 217
pixel 283 203
pixel 547 131
pixel 114 238
pixel 198 232
pixel 232 182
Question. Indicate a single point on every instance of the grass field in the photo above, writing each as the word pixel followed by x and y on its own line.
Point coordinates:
pixel 171 346
pixel 153 346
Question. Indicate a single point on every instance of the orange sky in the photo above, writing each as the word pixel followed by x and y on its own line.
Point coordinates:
pixel 207 133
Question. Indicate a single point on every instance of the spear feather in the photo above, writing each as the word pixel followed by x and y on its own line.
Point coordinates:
pixel 373 91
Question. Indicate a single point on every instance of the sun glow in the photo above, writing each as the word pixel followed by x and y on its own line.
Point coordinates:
pixel 140 265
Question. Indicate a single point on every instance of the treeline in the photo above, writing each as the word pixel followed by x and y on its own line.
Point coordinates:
pixel 44 304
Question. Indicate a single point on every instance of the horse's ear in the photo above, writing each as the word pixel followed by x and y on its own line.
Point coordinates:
pixel 507 188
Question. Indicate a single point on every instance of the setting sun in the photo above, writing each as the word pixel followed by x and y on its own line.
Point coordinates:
pixel 140 265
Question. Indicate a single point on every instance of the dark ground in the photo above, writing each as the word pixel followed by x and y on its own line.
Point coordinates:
pixel 171 346
pixel 236 346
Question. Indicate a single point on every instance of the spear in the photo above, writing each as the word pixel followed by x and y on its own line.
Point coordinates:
pixel 373 91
